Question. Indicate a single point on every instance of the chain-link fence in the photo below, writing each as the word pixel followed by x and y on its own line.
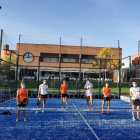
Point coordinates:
pixel 56 59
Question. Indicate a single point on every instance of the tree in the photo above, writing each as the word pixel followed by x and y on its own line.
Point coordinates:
pixel 104 60
pixel 13 58
pixel 4 65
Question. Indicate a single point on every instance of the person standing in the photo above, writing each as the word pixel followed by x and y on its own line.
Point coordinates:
pixel 89 88
pixel 42 95
pixel 22 93
pixel 135 100
pixel 63 90
pixel 106 97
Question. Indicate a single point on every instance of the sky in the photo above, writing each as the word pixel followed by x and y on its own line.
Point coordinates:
pixel 96 20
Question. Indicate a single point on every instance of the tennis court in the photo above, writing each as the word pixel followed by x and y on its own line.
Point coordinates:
pixel 75 123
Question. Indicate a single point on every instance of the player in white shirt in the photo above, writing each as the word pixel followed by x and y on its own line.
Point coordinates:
pixel 42 94
pixel 135 100
pixel 89 88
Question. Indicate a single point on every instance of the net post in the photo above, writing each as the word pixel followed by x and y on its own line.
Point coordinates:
pixel 1 42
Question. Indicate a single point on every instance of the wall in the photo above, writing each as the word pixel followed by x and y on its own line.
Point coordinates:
pixel 36 49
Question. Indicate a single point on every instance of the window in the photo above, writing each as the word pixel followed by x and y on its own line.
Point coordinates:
pixel 66 60
pixel 91 61
pixel 85 61
pixel 28 57
pixel 50 59
pixel 72 60
pixel 54 59
pixel 45 59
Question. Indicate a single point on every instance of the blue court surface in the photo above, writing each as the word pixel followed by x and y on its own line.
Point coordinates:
pixel 69 124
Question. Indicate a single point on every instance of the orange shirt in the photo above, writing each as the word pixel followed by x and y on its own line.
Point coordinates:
pixel 106 91
pixel 22 94
pixel 64 88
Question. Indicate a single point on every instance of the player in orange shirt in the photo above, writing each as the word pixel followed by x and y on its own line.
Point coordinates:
pixel 63 89
pixel 21 94
pixel 106 92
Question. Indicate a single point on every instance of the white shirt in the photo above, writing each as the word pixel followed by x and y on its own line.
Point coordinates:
pixel 89 91
pixel 135 92
pixel 43 89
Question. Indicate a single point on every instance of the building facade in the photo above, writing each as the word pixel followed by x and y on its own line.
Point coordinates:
pixel 50 62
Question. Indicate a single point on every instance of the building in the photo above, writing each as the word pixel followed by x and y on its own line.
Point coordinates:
pixel 135 66
pixel 126 69
pixel 45 61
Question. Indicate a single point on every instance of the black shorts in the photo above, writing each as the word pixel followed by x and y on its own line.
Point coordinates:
pixel 43 96
pixel 106 98
pixel 135 102
pixel 64 95
pixel 21 105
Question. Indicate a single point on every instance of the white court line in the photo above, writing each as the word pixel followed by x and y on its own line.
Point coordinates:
pixel 86 122
pixel 7 101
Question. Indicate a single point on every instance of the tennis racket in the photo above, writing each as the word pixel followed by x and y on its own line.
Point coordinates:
pixel 24 102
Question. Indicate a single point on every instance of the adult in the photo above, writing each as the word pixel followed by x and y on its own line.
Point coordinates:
pixel 89 88
pixel 106 97
pixel 22 93
pixel 42 95
pixel 135 100
pixel 63 89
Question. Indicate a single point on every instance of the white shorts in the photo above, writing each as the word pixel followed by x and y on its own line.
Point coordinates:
pixel 88 94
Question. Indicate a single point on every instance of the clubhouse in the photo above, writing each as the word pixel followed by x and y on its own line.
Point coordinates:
pixel 46 61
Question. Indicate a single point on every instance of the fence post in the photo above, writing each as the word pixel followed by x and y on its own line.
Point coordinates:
pixel 80 69
pixel 1 42
pixel 17 62
pixel 38 73
pixel 59 67
pixel 119 70
pixel 100 80
pixel 9 70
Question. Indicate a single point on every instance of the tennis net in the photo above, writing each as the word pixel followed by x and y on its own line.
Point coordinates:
pixel 75 123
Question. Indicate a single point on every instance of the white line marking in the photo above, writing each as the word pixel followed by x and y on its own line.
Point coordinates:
pixel 7 101
pixel 86 123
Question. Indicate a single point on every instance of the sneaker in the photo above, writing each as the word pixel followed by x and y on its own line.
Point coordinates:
pixel 17 119
pixel 107 112
pixel 91 107
pixel 88 107
pixel 67 107
pixel 24 119
pixel 42 111
pixel 62 107
pixel 102 112
pixel 36 112
pixel 138 119
pixel 134 119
